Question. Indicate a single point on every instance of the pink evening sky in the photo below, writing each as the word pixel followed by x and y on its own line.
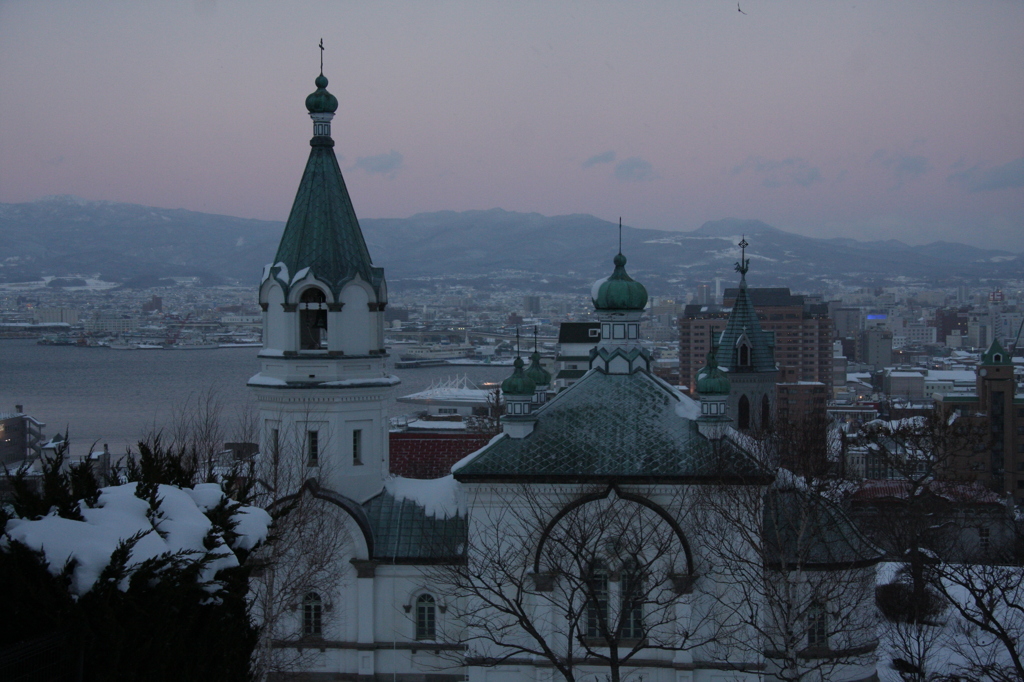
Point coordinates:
pixel 861 119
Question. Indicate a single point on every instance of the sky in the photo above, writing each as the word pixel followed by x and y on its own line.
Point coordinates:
pixel 869 120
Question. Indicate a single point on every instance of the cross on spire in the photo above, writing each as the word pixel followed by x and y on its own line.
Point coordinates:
pixel 534 338
pixel 620 234
pixel 744 263
pixel 321 56
pixel 517 341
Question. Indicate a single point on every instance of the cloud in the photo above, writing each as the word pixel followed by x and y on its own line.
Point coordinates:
pixel 979 179
pixel 634 169
pixel 903 166
pixel 605 157
pixel 382 164
pixel 780 173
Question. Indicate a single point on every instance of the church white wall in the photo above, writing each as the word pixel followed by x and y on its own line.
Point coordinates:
pixel 334 414
pixel 356 331
pixel 277 330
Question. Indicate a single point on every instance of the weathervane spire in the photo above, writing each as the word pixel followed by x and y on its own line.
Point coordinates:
pixel 744 263
pixel 517 341
pixel 321 56
pixel 620 234
pixel 534 338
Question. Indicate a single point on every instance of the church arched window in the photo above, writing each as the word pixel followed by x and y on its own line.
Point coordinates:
pixel 744 360
pixel 817 625
pixel 743 413
pixel 426 617
pixel 312 318
pixel 312 615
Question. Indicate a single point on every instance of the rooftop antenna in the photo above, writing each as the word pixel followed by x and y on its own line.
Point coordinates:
pixel 321 56
pixel 620 234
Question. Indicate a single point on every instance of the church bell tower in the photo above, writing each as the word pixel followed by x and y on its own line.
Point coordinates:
pixel 322 388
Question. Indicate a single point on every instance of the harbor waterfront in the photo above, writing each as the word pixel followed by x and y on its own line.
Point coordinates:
pixel 105 396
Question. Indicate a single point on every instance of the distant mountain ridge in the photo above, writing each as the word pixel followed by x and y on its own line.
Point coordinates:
pixel 62 236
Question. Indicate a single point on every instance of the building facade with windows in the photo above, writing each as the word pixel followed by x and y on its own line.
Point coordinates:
pixel 607 525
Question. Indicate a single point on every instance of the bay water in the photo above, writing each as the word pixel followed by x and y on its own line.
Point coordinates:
pixel 116 397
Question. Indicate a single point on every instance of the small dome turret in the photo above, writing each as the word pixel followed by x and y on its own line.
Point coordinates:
pixel 536 373
pixel 711 380
pixel 321 101
pixel 518 384
pixel 619 291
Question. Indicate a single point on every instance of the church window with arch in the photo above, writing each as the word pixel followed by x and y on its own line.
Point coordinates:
pixel 743 413
pixel 426 617
pixel 817 625
pixel 312 615
pixel 744 355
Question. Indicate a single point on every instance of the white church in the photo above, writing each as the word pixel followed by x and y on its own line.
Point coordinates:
pixel 616 530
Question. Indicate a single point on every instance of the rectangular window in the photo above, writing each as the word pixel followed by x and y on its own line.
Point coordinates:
pixel 313 447
pixel 597 603
pixel 275 445
pixel 632 617
pixel 357 446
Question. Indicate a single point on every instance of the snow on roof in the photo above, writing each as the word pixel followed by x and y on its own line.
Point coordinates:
pixel 468 458
pixel 437 425
pixel 439 497
pixel 181 526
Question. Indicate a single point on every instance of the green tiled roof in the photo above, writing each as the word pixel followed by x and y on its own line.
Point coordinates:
pixel 518 383
pixel 996 351
pixel 743 320
pixel 710 379
pixel 537 373
pixel 619 291
pixel 613 427
pixel 322 232
pixel 403 532
pixel 804 530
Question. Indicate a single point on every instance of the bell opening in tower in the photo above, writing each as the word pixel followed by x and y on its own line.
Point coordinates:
pixel 312 319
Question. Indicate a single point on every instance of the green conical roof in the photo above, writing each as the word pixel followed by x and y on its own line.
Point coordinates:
pixel 322 232
pixel 711 380
pixel 321 101
pixel 996 351
pixel 536 373
pixel 518 384
pixel 743 320
pixel 619 291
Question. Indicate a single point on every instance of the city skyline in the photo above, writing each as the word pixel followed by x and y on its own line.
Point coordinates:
pixel 859 120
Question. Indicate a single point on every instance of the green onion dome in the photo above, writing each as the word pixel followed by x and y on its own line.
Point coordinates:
pixel 711 380
pixel 321 101
pixel 620 291
pixel 518 383
pixel 537 374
